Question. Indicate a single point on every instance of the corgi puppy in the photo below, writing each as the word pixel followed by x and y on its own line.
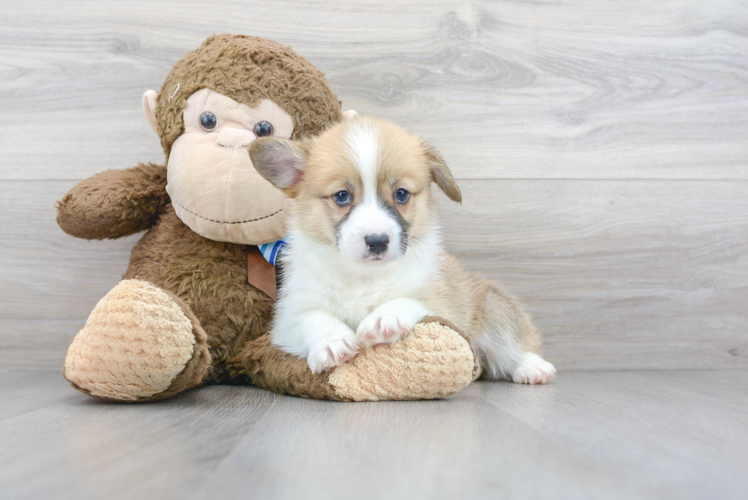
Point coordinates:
pixel 365 260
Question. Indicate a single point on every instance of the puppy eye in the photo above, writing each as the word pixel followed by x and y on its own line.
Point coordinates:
pixel 402 196
pixel 342 198
pixel 263 129
pixel 208 121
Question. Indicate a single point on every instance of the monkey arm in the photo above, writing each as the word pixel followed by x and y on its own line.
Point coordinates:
pixel 114 203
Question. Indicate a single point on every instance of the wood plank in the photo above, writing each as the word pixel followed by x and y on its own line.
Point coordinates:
pixel 85 448
pixel 588 435
pixel 45 273
pixel 619 275
pixel 49 281
pixel 39 343
pixel 572 89
pixel 25 391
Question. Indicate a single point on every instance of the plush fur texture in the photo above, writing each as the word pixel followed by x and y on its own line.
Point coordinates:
pixel 433 362
pixel 185 314
pixel 114 203
pixel 211 277
pixel 137 317
pixel 247 69
pixel 434 366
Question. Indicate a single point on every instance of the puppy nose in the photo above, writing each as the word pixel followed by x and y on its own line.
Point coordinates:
pixel 231 137
pixel 377 243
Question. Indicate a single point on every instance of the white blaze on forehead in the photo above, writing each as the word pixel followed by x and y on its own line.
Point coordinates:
pixel 363 147
pixel 367 216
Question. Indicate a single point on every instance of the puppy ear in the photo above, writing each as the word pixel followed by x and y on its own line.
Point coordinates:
pixel 441 175
pixel 280 161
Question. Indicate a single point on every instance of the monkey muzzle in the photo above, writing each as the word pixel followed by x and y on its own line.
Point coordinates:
pixel 217 192
pixel 235 138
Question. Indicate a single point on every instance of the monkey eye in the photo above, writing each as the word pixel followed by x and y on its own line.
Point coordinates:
pixel 208 121
pixel 263 129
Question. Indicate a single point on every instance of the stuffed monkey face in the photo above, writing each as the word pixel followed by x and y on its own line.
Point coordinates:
pixel 214 188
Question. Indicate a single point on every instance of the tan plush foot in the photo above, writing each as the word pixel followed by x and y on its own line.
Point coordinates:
pixel 140 342
pixel 433 361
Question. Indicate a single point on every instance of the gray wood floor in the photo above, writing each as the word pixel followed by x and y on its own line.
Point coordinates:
pixel 674 434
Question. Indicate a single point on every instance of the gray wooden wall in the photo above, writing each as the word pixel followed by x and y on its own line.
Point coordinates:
pixel 602 148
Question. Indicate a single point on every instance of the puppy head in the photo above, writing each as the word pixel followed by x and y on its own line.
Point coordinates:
pixel 362 186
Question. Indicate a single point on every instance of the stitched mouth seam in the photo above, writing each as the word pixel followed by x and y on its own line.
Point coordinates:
pixel 224 222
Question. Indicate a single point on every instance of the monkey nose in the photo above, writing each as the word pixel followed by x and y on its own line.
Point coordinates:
pixel 235 137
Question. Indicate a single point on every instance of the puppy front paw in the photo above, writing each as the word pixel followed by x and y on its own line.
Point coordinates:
pixel 381 329
pixel 331 352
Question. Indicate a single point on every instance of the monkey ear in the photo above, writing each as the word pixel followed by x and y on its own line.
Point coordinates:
pixel 280 161
pixel 149 108
pixel 349 115
pixel 441 175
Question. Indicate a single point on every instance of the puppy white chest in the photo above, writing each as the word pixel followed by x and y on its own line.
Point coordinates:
pixel 348 292
pixel 352 296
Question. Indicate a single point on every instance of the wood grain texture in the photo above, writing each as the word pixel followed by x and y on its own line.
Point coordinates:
pixel 545 89
pixel 39 261
pixel 619 275
pixel 602 148
pixel 679 435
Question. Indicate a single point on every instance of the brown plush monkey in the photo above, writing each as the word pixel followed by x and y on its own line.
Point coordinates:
pixel 185 314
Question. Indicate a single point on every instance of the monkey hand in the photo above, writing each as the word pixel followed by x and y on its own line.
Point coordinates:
pixel 114 203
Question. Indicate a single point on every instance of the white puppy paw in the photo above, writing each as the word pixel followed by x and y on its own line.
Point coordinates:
pixel 331 352
pixel 533 370
pixel 377 329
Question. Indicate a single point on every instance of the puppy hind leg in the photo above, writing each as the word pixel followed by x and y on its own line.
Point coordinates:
pixel 533 370
pixel 507 342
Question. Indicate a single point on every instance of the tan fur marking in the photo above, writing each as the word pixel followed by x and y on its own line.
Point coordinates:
pixel 442 176
pixel 329 169
pixel 402 165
